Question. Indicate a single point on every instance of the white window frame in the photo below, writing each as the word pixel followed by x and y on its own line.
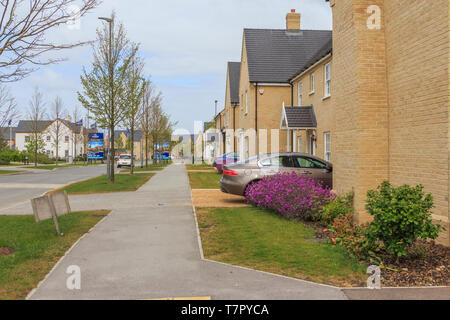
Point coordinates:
pixel 312 82
pixel 327 146
pixel 300 93
pixel 327 83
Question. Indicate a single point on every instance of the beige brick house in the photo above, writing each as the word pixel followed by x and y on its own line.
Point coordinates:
pixel 391 98
pixel 373 98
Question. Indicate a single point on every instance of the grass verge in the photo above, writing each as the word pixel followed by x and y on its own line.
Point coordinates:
pixel 4 172
pixel 101 184
pixel 259 239
pixel 204 180
pixel 36 248
pixel 203 166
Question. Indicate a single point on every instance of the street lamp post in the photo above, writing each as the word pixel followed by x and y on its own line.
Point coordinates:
pixel 111 79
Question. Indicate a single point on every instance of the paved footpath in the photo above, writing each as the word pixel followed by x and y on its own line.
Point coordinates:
pixel 148 248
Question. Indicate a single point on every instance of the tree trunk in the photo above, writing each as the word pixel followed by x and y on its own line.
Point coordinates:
pixel 112 153
pixel 35 150
pixel 132 148
pixel 146 150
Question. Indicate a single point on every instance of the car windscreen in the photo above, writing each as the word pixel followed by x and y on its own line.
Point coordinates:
pixel 125 157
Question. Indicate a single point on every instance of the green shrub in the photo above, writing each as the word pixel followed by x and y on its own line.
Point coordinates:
pixel 340 207
pixel 401 216
pixel 346 233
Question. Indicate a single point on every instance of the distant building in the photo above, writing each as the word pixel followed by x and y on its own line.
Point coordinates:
pixel 71 142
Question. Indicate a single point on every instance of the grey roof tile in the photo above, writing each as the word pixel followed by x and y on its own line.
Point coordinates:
pixel 234 69
pixel 301 117
pixel 276 55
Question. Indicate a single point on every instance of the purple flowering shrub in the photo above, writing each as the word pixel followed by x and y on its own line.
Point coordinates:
pixel 291 195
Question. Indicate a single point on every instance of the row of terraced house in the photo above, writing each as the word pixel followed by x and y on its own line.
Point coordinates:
pixel 371 96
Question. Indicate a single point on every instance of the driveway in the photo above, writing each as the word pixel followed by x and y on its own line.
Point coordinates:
pixel 148 248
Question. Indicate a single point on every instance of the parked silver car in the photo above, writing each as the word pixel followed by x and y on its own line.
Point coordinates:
pixel 239 176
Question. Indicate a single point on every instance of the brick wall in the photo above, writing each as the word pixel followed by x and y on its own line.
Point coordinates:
pixel 392 105
pixel 417 46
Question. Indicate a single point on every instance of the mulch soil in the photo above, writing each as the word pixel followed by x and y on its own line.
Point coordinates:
pixel 429 268
pixel 4 251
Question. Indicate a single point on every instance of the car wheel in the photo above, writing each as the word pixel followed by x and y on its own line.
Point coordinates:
pixel 250 185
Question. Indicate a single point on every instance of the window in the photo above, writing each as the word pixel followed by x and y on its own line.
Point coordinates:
pixel 279 161
pixel 27 138
pixel 67 153
pixel 308 163
pixel 313 82
pixel 327 80
pixel 327 146
pixel 300 93
pixel 48 138
pixel 48 152
pixel 66 138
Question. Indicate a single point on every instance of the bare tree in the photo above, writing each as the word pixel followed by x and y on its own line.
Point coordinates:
pixel 56 132
pixel 135 87
pixel 23 29
pixel 8 107
pixel 104 86
pixel 78 134
pixel 36 115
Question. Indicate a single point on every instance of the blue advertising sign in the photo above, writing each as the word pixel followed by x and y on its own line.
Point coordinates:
pixel 96 146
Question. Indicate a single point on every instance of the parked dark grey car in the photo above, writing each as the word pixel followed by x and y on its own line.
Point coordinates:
pixel 239 176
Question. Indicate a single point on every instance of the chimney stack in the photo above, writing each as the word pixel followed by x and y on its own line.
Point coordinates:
pixel 293 20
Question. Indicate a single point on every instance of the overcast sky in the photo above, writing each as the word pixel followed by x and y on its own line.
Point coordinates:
pixel 186 45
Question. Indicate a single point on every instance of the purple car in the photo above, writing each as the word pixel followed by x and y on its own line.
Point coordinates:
pixel 227 158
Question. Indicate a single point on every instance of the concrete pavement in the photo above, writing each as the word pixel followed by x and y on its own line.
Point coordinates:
pixel 148 248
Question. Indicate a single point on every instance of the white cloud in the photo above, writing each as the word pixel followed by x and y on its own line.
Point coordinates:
pixel 191 40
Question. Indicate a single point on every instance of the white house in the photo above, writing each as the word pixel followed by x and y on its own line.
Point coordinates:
pixel 70 137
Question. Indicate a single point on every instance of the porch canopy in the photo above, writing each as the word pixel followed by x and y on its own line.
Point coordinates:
pixel 298 118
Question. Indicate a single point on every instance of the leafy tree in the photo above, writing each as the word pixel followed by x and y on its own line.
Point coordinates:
pixel 135 89
pixel 104 86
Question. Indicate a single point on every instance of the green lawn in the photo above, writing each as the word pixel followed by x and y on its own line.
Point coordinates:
pixel 101 184
pixel 139 169
pixel 9 171
pixel 259 239
pixel 36 248
pixel 203 166
pixel 204 180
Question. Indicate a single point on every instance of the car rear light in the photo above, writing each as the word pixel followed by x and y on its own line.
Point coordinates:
pixel 230 173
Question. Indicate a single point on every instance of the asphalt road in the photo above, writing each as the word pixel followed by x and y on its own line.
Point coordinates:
pixel 17 189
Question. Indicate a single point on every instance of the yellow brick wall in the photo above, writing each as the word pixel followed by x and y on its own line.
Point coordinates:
pixel 322 107
pixel 390 91
pixel 417 46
